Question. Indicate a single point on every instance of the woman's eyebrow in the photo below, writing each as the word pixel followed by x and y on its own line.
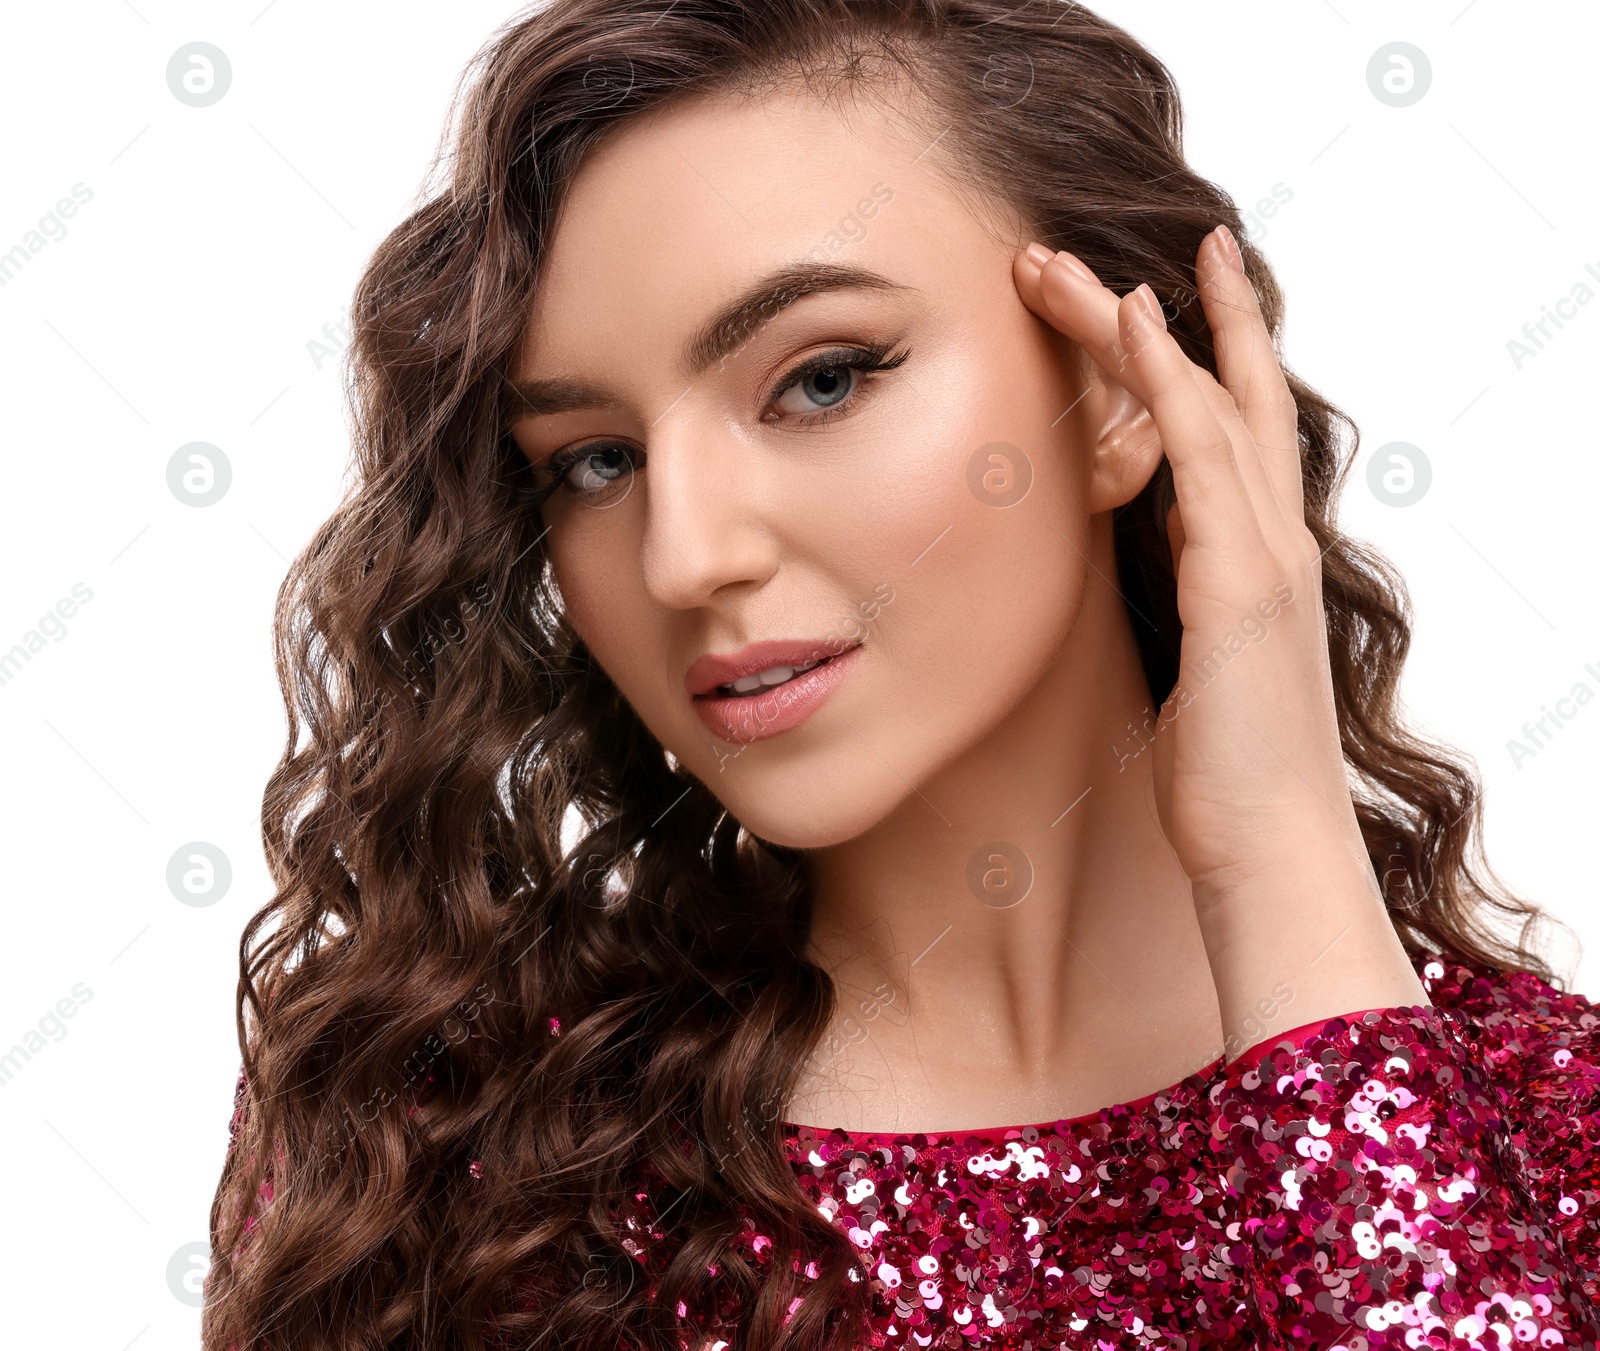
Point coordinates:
pixel 742 318
pixel 732 327
pixel 535 398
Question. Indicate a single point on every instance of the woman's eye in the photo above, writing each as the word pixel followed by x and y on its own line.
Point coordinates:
pixel 595 468
pixel 819 390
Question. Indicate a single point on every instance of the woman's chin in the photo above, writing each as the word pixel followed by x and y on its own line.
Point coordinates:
pixel 814 820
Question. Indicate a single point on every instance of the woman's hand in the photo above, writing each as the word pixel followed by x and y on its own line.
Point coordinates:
pixel 1250 780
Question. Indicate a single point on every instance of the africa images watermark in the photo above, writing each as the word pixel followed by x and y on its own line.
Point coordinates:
pixel 335 338
pixel 855 1030
pixel 759 1118
pixel 851 229
pixel 1541 731
pixel 52 1026
pixel 417 1064
pixel 51 229
pixel 439 636
pixel 767 708
pixel 1256 1027
pixel 1537 332
pixel 52 624
pixel 1254 223
pixel 1253 627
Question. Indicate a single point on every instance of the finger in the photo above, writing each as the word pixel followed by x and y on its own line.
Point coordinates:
pixel 1216 504
pixel 1278 525
pixel 1248 366
pixel 1091 312
pixel 1067 295
pixel 1128 338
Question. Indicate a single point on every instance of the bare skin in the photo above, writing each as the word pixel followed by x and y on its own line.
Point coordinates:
pixel 1156 894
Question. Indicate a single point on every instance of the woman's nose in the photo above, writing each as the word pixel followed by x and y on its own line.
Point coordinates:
pixel 705 523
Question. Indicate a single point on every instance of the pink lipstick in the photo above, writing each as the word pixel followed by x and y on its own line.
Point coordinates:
pixel 767 688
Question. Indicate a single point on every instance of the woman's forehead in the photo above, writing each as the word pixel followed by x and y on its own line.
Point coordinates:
pixel 683 210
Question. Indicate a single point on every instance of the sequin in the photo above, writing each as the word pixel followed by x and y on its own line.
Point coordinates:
pixel 1425 1177
pixel 1399 1178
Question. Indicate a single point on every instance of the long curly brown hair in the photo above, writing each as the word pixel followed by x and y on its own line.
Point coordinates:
pixel 498 1091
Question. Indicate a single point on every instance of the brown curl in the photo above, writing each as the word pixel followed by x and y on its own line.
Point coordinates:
pixel 408 1176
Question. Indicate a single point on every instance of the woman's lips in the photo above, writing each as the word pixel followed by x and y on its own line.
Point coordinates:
pixel 773 709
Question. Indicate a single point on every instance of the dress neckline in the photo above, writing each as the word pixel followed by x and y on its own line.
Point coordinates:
pixel 999 1134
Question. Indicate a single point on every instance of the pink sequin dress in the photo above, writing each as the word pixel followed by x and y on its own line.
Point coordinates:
pixel 1412 1178
pixel 1424 1177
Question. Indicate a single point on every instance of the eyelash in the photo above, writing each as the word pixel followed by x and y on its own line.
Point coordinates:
pixel 868 361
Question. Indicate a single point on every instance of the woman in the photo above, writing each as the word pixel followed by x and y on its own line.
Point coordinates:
pixel 839 640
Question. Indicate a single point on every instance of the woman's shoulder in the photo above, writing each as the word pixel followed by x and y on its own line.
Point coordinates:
pixel 1514 1016
pixel 1539 1047
pixel 1540 1044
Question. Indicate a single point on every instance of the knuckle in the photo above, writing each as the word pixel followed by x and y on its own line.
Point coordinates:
pixel 1217 445
pixel 1307 550
pixel 1278 400
pixel 1223 401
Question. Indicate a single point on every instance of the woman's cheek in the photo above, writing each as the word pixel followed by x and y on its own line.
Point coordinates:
pixel 606 605
pixel 1007 580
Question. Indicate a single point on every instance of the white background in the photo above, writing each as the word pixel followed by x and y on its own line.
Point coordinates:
pixel 219 241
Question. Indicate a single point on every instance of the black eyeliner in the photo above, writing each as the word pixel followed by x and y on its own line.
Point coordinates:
pixel 559 463
pixel 868 360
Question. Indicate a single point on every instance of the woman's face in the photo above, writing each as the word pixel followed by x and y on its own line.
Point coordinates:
pixel 738 494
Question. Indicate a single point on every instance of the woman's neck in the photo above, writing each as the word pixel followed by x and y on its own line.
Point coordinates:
pixel 1017 943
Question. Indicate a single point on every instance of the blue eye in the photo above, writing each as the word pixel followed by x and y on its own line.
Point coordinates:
pixel 824 388
pixel 591 469
pixel 823 383
pixel 827 381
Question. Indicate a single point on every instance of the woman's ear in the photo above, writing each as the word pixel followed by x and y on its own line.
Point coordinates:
pixel 1123 443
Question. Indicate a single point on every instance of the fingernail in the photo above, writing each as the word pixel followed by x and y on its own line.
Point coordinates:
pixel 1077 267
pixel 1151 306
pixel 1230 247
pixel 1039 254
